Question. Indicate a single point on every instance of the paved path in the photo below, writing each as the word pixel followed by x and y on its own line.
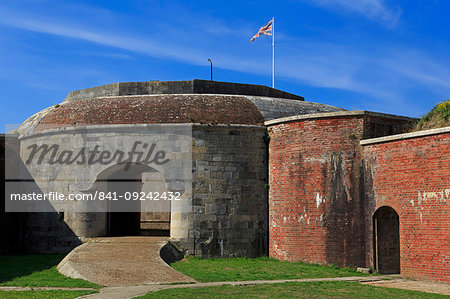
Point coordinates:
pixel 45 289
pixel 133 291
pixel 121 261
pixel 123 292
pixel 422 286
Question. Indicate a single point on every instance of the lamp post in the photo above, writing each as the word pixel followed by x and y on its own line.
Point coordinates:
pixel 210 61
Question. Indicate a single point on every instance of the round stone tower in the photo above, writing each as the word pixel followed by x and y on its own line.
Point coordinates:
pixel 224 211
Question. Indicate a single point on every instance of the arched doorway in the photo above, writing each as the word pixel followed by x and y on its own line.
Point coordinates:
pixel 124 216
pixel 132 213
pixel 386 241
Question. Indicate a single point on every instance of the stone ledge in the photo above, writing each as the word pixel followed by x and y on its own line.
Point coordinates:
pixel 336 114
pixel 115 127
pixel 405 136
pixel 195 86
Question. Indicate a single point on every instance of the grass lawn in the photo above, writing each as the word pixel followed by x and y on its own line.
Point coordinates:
pixel 37 270
pixel 44 294
pixel 264 268
pixel 338 289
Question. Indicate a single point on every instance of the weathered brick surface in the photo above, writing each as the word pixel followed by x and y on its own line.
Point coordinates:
pixel 314 202
pixel 412 176
pixel 316 195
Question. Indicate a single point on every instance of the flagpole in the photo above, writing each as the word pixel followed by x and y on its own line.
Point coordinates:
pixel 273 52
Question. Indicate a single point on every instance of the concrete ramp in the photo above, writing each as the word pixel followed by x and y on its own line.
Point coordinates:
pixel 121 261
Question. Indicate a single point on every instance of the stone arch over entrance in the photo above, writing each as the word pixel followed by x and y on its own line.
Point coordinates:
pixel 386 240
pixel 132 217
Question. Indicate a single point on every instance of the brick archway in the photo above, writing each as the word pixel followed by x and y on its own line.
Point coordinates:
pixel 386 228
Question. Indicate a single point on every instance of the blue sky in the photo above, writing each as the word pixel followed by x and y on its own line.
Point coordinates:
pixel 382 55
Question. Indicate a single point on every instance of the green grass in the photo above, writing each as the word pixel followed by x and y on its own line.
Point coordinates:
pixel 234 269
pixel 438 117
pixel 38 270
pixel 338 289
pixel 44 294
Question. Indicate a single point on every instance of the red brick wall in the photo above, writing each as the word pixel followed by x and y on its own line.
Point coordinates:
pixel 315 212
pixel 317 203
pixel 323 193
pixel 412 177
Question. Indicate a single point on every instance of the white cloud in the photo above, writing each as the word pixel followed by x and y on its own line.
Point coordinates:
pixel 137 44
pixel 375 10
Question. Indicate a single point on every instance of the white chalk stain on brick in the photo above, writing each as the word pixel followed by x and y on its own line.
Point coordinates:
pixel 274 223
pixel 442 196
pixel 320 160
pixel 279 251
pixel 303 218
pixel 319 199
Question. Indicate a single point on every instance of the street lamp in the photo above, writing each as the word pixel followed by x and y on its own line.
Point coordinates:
pixel 211 68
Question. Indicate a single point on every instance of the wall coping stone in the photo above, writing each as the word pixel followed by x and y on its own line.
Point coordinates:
pixel 405 136
pixel 195 86
pixel 336 114
pixel 114 127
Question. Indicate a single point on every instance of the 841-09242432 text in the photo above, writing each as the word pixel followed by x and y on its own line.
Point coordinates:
pixel 98 195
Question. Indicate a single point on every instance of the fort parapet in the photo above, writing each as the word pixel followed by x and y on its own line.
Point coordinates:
pixel 195 86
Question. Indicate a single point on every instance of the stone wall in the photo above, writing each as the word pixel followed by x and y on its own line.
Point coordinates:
pixel 227 213
pixel 217 87
pixel 11 227
pixel 316 194
pixel 22 232
pixel 410 173
pixel 179 87
pixel 229 216
pixel 85 218
pixel 48 233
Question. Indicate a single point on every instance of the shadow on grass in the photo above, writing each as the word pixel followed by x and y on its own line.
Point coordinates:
pixel 37 270
pixel 14 266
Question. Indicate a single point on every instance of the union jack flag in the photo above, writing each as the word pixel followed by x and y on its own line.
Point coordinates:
pixel 264 30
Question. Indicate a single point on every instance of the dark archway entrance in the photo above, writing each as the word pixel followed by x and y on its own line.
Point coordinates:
pixel 134 217
pixel 386 241
pixel 124 223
